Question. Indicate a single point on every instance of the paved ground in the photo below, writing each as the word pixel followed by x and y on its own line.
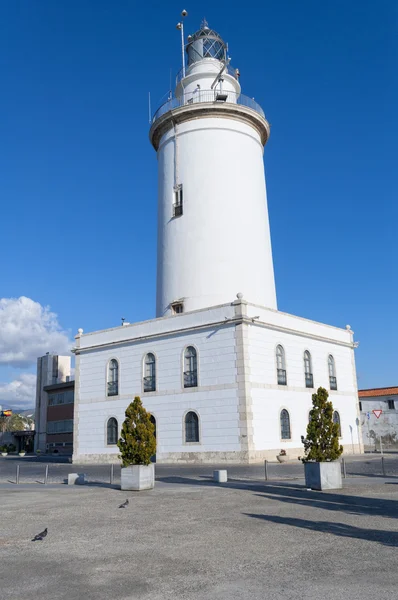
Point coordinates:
pixel 194 540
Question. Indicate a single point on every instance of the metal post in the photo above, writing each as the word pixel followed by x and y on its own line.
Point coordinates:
pixel 46 475
pixel 17 476
pixel 383 466
pixel 381 446
pixel 111 475
pixel 182 48
pixel 266 469
pixel 344 468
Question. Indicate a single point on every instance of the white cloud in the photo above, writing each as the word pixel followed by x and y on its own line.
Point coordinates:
pixel 29 330
pixel 20 393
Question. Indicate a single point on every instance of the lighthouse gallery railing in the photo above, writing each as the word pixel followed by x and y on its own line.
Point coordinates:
pixel 208 96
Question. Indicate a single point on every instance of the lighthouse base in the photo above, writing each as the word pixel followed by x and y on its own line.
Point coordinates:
pixel 234 403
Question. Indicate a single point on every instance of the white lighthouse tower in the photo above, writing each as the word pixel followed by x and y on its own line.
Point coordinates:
pixel 213 230
pixel 225 376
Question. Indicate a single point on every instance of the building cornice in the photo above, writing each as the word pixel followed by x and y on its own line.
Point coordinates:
pixel 233 321
pixel 203 110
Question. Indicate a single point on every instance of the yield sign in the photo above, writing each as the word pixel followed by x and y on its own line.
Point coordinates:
pixel 377 413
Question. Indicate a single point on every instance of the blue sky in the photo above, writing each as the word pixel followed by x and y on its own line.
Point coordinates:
pixel 78 178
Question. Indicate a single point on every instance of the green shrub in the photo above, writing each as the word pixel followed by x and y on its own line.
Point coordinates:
pixel 11 447
pixel 137 441
pixel 4 448
pixel 322 442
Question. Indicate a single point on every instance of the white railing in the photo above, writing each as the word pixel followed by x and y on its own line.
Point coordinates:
pixel 208 96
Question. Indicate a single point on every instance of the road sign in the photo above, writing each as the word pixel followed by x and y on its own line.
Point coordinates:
pixel 377 413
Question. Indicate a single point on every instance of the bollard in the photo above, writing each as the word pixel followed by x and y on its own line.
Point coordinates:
pixel 383 466
pixel 111 475
pixel 344 468
pixel 266 469
pixel 17 476
pixel 46 475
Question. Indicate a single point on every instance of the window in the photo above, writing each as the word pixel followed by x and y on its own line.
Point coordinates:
pixel 309 379
pixel 113 378
pixel 177 206
pixel 177 308
pixel 111 432
pixel 150 373
pixel 191 427
pixel 190 367
pixel 336 420
pixel 281 365
pixel 391 404
pixel 285 425
pixel 65 426
pixel 360 406
pixel 332 373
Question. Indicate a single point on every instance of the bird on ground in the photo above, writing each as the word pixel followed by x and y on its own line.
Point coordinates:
pixel 40 536
pixel 125 504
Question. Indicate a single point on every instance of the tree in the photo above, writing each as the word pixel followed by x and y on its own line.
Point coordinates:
pixel 322 443
pixel 15 423
pixel 137 441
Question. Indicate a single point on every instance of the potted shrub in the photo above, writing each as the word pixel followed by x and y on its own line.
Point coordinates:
pixel 137 444
pixel 4 450
pixel 22 453
pixel 322 448
pixel 282 456
pixel 38 451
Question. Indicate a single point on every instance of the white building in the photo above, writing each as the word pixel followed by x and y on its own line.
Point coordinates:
pixel 379 418
pixel 226 376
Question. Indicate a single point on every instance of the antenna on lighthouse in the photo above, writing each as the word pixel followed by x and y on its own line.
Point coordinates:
pixel 180 26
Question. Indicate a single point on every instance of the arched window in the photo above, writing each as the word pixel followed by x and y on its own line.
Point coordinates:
pixel 190 367
pixel 191 427
pixel 150 373
pixel 281 365
pixel 332 373
pixel 336 419
pixel 285 425
pixel 113 377
pixel 111 432
pixel 309 379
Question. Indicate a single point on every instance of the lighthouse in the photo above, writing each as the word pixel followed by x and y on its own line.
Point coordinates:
pixel 225 376
pixel 213 230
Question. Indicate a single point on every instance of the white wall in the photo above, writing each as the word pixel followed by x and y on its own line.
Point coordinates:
pixel 269 398
pixel 215 400
pixel 221 244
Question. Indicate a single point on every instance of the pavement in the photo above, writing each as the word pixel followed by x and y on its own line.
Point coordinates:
pixel 192 539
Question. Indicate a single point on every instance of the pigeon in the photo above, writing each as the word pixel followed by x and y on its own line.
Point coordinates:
pixel 125 504
pixel 40 536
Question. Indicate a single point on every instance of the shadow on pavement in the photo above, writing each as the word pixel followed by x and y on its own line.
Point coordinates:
pixel 357 505
pixel 387 538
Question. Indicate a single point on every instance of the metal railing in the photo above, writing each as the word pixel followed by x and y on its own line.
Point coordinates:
pixel 150 383
pixel 113 388
pixel 190 379
pixel 333 383
pixel 199 96
pixel 309 380
pixel 282 379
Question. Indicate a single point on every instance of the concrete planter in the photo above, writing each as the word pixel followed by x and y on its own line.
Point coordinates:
pixel 138 477
pixel 281 458
pixel 323 475
pixel 4 453
pixel 21 453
